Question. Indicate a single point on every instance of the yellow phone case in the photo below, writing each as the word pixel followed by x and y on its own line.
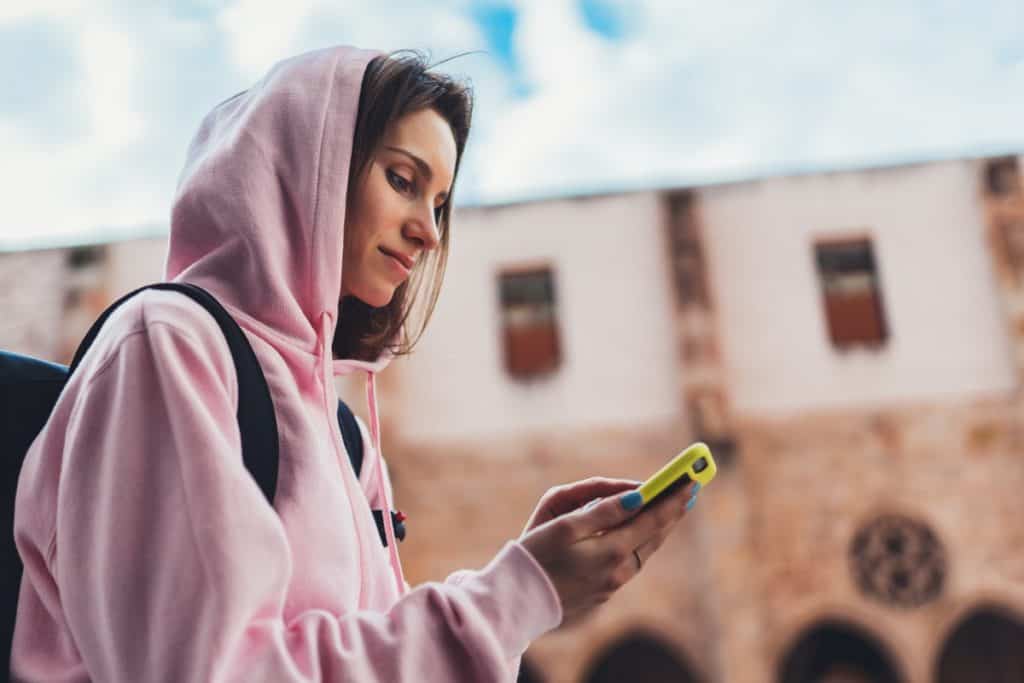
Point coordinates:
pixel 682 464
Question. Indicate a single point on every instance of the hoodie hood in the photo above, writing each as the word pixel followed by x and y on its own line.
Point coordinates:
pixel 259 214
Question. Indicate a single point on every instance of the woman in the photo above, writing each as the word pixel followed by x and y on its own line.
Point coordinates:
pixel 315 207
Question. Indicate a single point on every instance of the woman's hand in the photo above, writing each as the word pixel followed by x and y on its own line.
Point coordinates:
pixel 588 552
pixel 562 500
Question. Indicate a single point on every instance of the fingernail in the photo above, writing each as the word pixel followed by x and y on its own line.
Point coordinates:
pixel 696 487
pixel 692 502
pixel 632 500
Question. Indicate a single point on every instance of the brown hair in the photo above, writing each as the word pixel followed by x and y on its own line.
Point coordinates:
pixel 393 86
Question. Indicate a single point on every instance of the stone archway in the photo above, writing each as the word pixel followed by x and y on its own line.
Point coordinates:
pixel 640 657
pixel 986 646
pixel 834 651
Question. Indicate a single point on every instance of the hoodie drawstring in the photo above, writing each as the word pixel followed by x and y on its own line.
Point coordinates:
pixel 326 323
pixel 389 527
pixel 340 367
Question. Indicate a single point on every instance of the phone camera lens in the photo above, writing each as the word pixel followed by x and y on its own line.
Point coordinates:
pixel 700 465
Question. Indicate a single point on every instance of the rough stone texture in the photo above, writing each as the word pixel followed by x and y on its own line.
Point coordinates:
pixel 814 481
pixel 702 383
pixel 32 285
pixel 764 556
pixel 47 305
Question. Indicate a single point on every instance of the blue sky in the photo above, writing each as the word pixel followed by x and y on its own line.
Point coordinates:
pixel 101 97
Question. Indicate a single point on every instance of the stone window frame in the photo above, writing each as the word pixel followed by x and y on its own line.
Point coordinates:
pixel 1001 176
pixel 844 295
pixel 898 559
pixel 530 334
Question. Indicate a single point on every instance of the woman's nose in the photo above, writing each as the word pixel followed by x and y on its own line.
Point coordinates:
pixel 423 230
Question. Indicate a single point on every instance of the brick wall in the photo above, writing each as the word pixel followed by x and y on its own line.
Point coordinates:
pixel 32 286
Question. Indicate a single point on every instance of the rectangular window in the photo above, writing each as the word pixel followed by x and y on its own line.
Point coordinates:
pixel 852 293
pixel 86 256
pixel 529 322
pixel 86 294
pixel 686 254
pixel 1010 234
pixel 1002 176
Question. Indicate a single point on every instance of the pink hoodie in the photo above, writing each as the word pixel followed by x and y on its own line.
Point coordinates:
pixel 150 553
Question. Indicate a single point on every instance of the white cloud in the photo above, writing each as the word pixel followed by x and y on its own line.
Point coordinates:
pixel 696 90
pixel 109 57
pixel 145 77
pixel 46 185
pixel 50 9
pixel 261 32
pixel 700 91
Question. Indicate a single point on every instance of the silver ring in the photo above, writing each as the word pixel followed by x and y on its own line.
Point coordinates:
pixel 639 562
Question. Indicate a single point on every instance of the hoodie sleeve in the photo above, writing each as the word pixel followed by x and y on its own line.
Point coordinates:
pixel 375 466
pixel 172 566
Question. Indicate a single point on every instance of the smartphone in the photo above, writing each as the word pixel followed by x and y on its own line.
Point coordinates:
pixel 693 464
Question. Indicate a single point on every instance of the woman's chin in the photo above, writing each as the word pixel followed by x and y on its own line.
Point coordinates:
pixel 376 297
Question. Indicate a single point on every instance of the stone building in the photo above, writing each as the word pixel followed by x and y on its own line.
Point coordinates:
pixel 851 345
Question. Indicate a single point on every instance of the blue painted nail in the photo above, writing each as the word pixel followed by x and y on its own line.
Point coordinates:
pixel 696 487
pixel 632 500
pixel 692 502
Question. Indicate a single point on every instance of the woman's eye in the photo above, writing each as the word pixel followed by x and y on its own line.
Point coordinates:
pixel 398 182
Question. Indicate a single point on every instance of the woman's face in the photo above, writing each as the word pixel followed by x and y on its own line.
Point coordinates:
pixel 390 221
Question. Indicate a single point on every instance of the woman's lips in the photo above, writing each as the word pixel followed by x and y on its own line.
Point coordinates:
pixel 402 263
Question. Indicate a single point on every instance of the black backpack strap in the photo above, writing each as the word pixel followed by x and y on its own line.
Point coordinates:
pixel 256 419
pixel 353 438
pixel 351 435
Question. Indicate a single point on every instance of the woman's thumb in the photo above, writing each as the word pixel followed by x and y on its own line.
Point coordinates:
pixel 611 512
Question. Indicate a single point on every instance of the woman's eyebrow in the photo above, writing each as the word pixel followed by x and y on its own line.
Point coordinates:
pixel 421 164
